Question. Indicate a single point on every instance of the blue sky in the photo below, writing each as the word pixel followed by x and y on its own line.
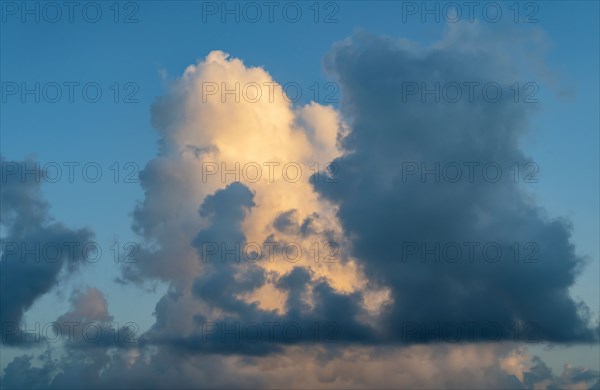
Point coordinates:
pixel 166 38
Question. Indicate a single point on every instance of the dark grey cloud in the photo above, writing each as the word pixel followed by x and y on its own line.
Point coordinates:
pixel 26 272
pixel 383 208
pixel 173 369
pixel 287 222
pixel 20 374
pixel 540 373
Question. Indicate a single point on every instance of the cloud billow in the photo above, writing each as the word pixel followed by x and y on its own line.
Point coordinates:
pixel 26 273
pixel 387 312
pixel 384 208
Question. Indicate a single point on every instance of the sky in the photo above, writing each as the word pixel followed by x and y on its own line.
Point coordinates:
pixel 345 194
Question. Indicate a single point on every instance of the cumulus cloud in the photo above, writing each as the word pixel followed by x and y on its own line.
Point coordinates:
pixel 209 140
pixel 217 196
pixel 35 247
pixel 392 202
pixel 371 294
pixel 372 210
pixel 92 342
pixel 88 324
pixel 474 366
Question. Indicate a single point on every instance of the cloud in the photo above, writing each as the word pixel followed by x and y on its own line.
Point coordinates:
pixel 200 130
pixel 371 296
pixel 441 366
pixel 237 315
pixel 371 211
pixel 209 140
pixel 392 202
pixel 88 324
pixel 35 250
